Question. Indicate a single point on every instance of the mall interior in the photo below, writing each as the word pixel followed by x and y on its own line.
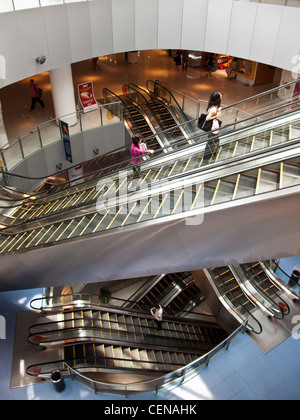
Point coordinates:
pixel 88 250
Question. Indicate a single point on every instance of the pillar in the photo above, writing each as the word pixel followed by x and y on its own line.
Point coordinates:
pixel 63 94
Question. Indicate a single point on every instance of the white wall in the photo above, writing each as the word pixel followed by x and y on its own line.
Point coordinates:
pixel 77 31
pixel 43 163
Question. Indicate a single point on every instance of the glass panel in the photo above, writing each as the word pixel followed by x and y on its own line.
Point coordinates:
pixel 50 133
pixel 26 4
pixel 190 108
pixel 13 155
pixel 6 6
pixel 31 144
pixel 90 120
pixel 111 113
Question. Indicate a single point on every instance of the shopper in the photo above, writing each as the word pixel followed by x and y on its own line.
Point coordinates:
pixel 136 151
pixel 157 312
pixel 185 56
pixel 213 113
pixel 35 95
pixel 177 59
pixel 211 64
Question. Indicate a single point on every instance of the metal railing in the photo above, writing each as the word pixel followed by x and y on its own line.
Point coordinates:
pixel 175 377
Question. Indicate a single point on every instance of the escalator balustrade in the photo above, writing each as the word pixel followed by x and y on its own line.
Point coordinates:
pixel 169 200
pixel 87 193
pixel 119 340
pixel 259 279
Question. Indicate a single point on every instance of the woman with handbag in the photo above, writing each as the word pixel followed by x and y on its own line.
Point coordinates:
pixel 213 112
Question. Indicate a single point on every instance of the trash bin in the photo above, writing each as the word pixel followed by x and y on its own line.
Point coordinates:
pixel 295 278
pixel 58 381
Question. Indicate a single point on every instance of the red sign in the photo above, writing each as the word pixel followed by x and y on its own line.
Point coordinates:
pixel 86 96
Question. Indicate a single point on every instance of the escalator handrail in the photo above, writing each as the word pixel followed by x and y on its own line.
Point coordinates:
pixel 251 98
pixel 250 315
pixel 171 94
pixel 28 200
pixel 67 304
pixel 166 149
pixel 176 177
pixel 266 296
pixel 178 374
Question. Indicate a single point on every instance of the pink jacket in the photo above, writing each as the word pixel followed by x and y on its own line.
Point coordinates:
pixel 135 152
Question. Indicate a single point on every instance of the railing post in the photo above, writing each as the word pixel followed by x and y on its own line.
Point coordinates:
pixel 21 147
pixel 227 344
pixel 207 359
pixel 80 122
pixel 101 116
pixel 40 137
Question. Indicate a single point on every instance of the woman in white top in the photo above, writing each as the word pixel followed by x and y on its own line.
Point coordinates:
pixel 213 113
pixel 157 312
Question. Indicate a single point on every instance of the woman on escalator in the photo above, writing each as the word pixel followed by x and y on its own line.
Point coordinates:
pixel 213 113
pixel 137 151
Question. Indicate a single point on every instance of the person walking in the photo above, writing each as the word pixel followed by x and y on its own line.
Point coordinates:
pixel 185 56
pixel 213 113
pixel 35 95
pixel 177 59
pixel 157 312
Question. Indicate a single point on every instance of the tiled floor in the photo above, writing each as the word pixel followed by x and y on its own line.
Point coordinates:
pixel 115 71
pixel 243 372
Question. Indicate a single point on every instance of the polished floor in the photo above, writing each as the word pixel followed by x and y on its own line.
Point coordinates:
pixel 243 372
pixel 114 71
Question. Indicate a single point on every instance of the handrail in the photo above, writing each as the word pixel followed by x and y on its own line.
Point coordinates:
pixel 193 120
pixel 171 178
pixel 203 138
pixel 250 315
pixel 154 384
pixel 66 304
pixel 153 95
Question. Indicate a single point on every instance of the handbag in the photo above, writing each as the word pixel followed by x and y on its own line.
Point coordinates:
pixel 203 124
pixel 201 120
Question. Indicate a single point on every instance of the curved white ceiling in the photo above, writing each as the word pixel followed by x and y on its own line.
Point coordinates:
pixel 78 31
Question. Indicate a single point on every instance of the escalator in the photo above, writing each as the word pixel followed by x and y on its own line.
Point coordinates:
pixel 244 141
pixel 179 196
pixel 233 297
pixel 181 162
pixel 135 119
pixel 172 291
pixel 111 339
pixel 164 116
pixel 248 287
pixel 270 292
pixel 173 187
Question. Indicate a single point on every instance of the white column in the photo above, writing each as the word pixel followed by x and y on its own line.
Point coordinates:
pixel 63 94
pixel 3 135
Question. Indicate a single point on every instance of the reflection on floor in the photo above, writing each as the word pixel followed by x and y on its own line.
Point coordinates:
pixel 115 70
